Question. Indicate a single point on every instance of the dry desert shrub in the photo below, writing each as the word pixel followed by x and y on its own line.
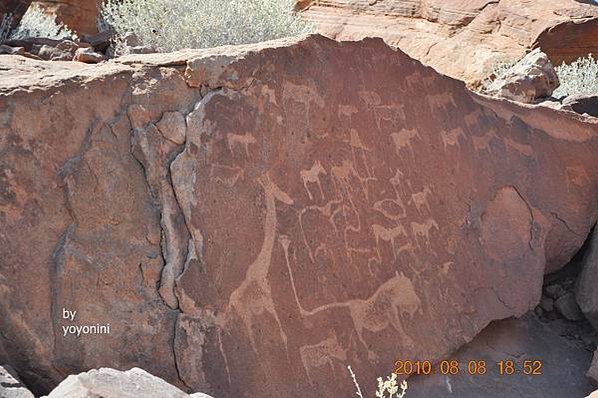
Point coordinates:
pixel 169 25
pixel 36 23
pixel 5 23
pixel 579 77
pixel 498 70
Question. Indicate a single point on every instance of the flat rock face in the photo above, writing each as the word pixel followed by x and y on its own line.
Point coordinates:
pixel 330 204
pixel 464 39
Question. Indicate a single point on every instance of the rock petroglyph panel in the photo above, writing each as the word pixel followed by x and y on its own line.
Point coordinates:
pixel 252 222
pixel 358 211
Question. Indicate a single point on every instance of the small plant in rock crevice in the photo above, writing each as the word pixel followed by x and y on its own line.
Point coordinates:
pixel 169 25
pixel 388 388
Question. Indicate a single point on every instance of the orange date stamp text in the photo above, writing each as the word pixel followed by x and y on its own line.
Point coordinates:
pixel 452 367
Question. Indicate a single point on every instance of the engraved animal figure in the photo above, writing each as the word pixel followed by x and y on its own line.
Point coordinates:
pixel 394 300
pixel 443 101
pixel 346 112
pixel 313 176
pixel 329 211
pixel 397 179
pixel 371 98
pixel 240 139
pixel 323 353
pixel 483 143
pixel 451 138
pixel 254 297
pixel 523 149
pixel 358 146
pixel 388 207
pixel 388 235
pixel 423 230
pixel 392 114
pixel 403 138
pixel 420 199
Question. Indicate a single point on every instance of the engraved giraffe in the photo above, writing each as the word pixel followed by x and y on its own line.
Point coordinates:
pixel 254 296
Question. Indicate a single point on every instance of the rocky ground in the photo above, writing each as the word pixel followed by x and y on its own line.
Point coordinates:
pixel 557 335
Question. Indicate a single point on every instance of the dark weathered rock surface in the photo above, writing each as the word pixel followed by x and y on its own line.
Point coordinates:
pixel 323 204
pixel 13 10
pixel 582 103
pixel 563 365
pixel 11 386
pixel 586 290
pixel 592 372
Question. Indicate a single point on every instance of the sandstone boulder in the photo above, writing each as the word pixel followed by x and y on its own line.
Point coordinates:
pixel 316 216
pixel 48 49
pixel 586 291
pixel 111 383
pixel 529 80
pixel 79 15
pixel 568 307
pixel 8 50
pixel 464 39
pixel 88 56
pixel 11 386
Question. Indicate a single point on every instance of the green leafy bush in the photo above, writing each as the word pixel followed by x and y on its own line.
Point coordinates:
pixel 168 25
pixel 36 23
pixel 579 77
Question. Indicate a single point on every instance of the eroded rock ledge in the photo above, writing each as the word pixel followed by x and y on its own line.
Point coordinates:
pixel 252 219
pixel 464 39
